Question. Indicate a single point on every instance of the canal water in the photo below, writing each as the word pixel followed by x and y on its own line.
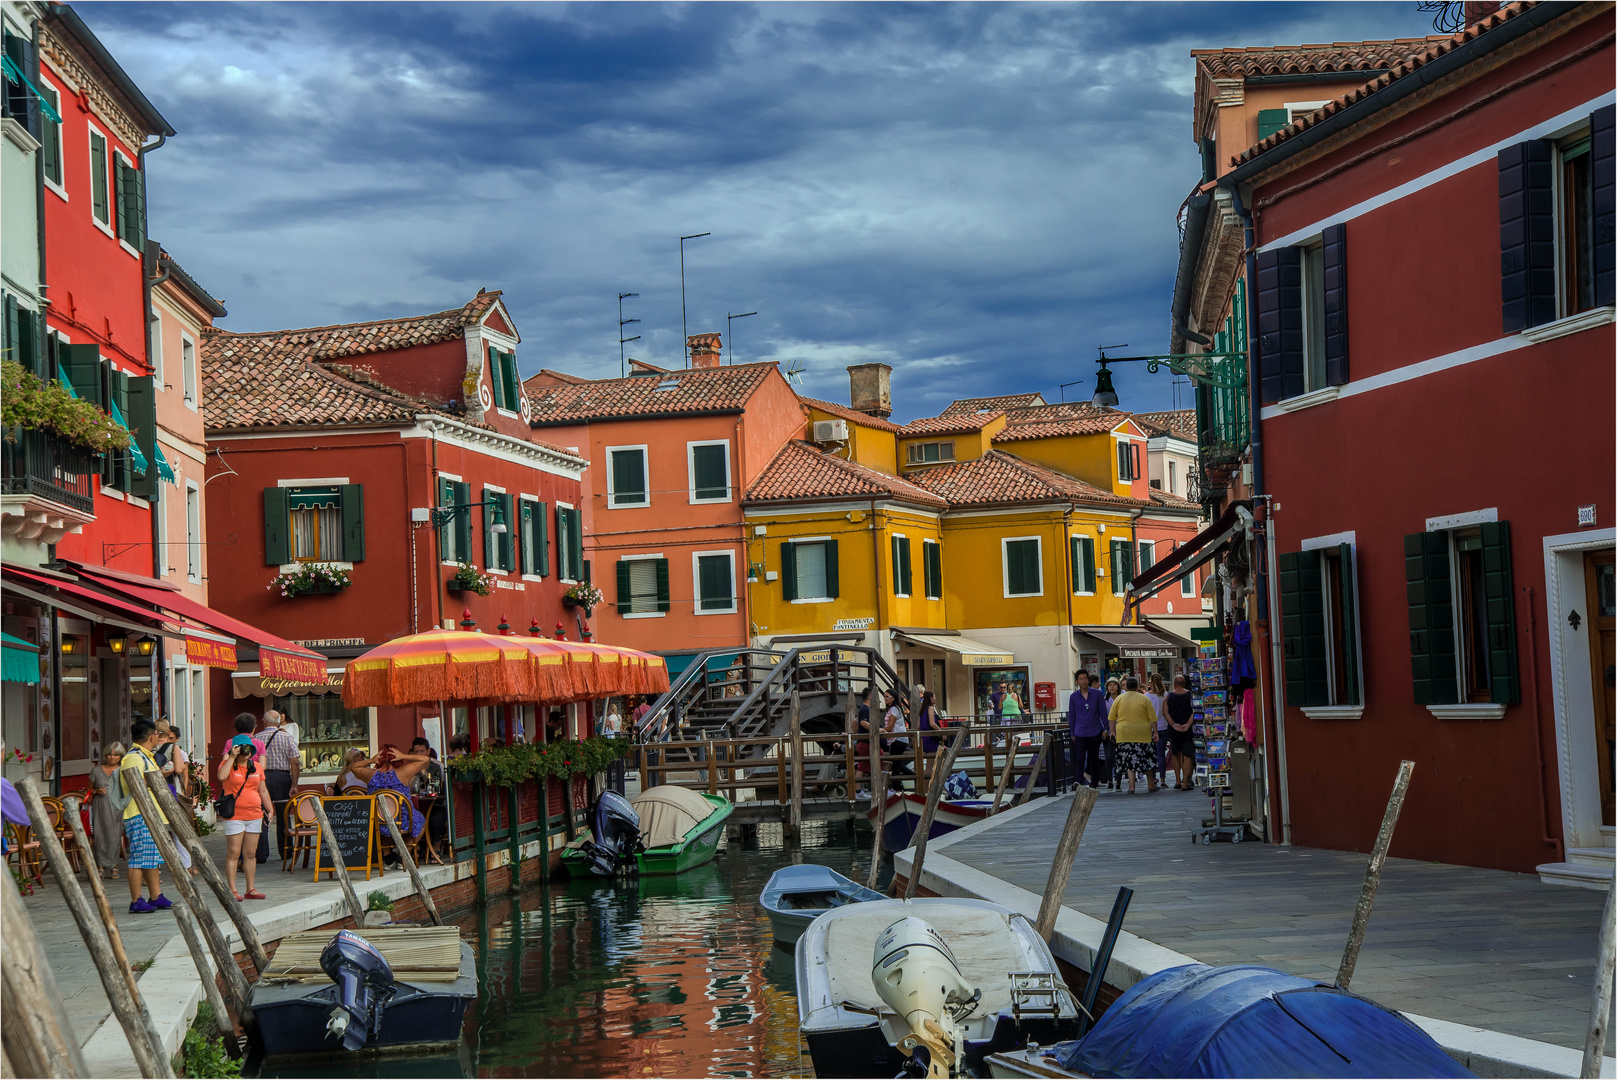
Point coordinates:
pixel 658 976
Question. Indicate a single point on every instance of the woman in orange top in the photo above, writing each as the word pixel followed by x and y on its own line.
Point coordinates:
pixel 240 776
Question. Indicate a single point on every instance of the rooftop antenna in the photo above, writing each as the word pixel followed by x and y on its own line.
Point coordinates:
pixel 794 373
pixel 728 336
pixel 1064 386
pixel 685 331
pixel 623 363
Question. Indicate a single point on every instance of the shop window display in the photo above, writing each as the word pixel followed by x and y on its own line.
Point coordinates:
pixel 325 729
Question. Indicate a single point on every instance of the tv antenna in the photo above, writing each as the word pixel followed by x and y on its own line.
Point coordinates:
pixel 623 363
pixel 684 329
pixel 794 373
pixel 1064 386
pixel 728 319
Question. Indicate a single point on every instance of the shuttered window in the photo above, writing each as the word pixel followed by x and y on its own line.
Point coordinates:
pixel 1280 324
pixel 503 380
pixel 715 582
pixel 1022 567
pixel 1527 234
pixel 498 547
pixel 903 583
pixel 1271 121
pixel 99 205
pixel 455 536
pixel 314 524
pixel 642 586
pixel 1603 193
pixel 569 544
pixel 129 197
pixel 1083 564
pixel 535 543
pixel 1148 555
pixel 1122 567
pixel 1319 626
pixel 626 476
pixel 808 570
pixel 710 472
pixel 932 568
pixel 51 137
pixel 1333 310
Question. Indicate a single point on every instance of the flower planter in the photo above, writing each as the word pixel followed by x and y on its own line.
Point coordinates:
pixel 455 588
pixel 322 588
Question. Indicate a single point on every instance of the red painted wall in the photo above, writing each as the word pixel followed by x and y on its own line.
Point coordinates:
pixel 431 372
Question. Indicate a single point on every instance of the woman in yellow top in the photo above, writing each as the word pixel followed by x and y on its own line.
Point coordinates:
pixel 1133 721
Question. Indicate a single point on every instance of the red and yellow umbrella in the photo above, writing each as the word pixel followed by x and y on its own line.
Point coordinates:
pixel 456 665
pixel 612 669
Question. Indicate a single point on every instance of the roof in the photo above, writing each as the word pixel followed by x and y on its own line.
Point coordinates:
pixel 1343 56
pixel 120 79
pixel 1168 501
pixel 958 424
pixel 1065 418
pixel 694 390
pixel 982 404
pixel 547 376
pixel 849 414
pixel 1179 423
pixel 999 478
pixel 324 343
pixel 204 299
pixel 1408 64
pixel 802 471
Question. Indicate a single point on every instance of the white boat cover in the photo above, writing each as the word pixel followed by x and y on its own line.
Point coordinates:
pixel 667 813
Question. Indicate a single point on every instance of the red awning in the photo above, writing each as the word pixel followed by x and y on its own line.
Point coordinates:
pixel 277 657
pixel 96 606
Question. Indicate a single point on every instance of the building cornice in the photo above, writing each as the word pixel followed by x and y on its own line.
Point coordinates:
pixel 556 460
pixel 82 83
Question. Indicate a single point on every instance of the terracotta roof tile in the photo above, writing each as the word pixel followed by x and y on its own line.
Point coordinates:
pixel 802 471
pixel 1001 478
pixel 956 424
pixel 1345 56
pixel 697 390
pixel 981 404
pixel 1180 423
pixel 1172 502
pixel 1062 418
pixel 1428 49
pixel 549 376
pixel 851 415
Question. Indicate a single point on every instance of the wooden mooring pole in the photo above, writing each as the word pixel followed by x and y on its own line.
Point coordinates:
pixel 1372 874
pixel 384 808
pixel 934 791
pixel 1004 778
pixel 34 1029
pixel 341 871
pixel 850 710
pixel 93 872
pixel 1055 889
pixel 797 761
pixel 1033 777
pixel 192 934
pixel 1594 1043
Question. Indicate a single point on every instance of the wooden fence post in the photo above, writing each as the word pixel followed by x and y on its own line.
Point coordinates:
pixel 210 986
pixel 94 874
pixel 35 1031
pixel 797 760
pixel 880 808
pixel 1083 803
pixel 1004 779
pixel 1033 777
pixel 934 791
pixel 1594 1043
pixel 712 767
pixel 341 871
pixel 399 845
pixel 1372 874
pixel 850 766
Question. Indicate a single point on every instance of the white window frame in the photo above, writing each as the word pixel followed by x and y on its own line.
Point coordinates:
pixel 690 472
pixel 1188 585
pixel 1118 586
pixel 1077 566
pixel 1005 565
pixel 925 543
pixel 1129 441
pixel 821 540
pixel 562 540
pixel 641 558
pixel 696 581
pixel 911 448
pixel 61 166
pixel 455 477
pixel 160 522
pixel 154 331
pixel 1312 251
pixel 188 370
pixel 890 552
pixel 515 554
pixel 1139 556
pixel 89 163
pixel 112 194
pixel 517 550
pixel 1330 544
pixel 612 502
pixel 194 570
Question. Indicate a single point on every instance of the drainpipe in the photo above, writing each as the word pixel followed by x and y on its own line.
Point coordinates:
pixel 153 259
pixel 1277 694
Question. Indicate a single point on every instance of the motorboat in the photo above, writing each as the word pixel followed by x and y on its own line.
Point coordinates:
pixel 1239 1020
pixel 384 990
pixel 796 895
pixel 667 829
pixel 614 839
pixel 926 987
pixel 902 816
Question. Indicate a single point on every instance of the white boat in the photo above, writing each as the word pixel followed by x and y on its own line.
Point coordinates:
pixel 852 1029
pixel 796 895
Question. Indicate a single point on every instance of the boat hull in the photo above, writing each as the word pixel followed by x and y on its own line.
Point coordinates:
pixel 902 817
pixel 421 1017
pixel 796 895
pixel 698 846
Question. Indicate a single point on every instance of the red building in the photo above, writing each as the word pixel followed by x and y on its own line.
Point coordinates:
pixel 1428 314
pixel 380 479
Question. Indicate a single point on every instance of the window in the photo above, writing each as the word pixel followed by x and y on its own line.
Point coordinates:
pixel 932 568
pixel 715 576
pixel 930 453
pixel 1022 566
pixel 51 137
pixel 502 376
pixel 903 568
pixel 319 522
pixel 1172 486
pixel 19 102
pixel 1462 622
pixel 626 477
pixel 160 524
pixel 499 548
pixel 455 535
pixel 1313 266
pixel 642 585
pixel 1128 461
pixel 1319 626
pixel 1083 565
pixel 193 532
pixel 154 331
pixel 709 467
pixel 808 570
pixel 1575 234
pixel 1302 316
pixel 100 207
pixel 188 363
pixel 1122 566
pixel 570 565
pixel 533 530
pixel 129 201
pixel 1147 555
pixel 1187 584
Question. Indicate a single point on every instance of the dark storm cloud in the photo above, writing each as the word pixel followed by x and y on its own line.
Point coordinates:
pixel 977 195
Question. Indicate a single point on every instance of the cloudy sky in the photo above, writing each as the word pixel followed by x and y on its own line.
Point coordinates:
pixel 977 195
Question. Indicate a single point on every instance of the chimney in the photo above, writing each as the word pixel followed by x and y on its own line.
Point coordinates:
pixel 870 389
pixel 1477 10
pixel 704 350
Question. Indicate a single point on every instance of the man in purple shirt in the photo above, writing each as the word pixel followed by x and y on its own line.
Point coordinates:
pixel 1086 719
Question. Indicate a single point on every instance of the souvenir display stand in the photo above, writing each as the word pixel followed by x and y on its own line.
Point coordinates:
pixel 1223 760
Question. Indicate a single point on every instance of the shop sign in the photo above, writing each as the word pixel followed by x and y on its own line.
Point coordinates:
pixel 986 659
pixel 247 685
pixel 853 624
pixel 219 654
pixel 328 642
pixel 308 670
pixel 1139 653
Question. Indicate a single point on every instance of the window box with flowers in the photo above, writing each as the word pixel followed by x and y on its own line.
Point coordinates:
pixel 469 578
pixel 315 579
pixel 582 595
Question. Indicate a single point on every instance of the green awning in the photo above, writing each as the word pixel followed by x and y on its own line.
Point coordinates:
pixel 19 660
pixel 134 447
pixel 16 77
pixel 163 468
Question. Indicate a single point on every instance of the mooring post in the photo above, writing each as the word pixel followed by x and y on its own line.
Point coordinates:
pixel 71 802
pixel 210 986
pixel 1372 874
pixel 1594 1043
pixel 1083 803
pixel 1004 778
pixel 797 760
pixel 337 860
pixel 39 1039
pixel 851 757
pixel 1033 777
pixel 934 791
pixel 881 813
pixel 421 890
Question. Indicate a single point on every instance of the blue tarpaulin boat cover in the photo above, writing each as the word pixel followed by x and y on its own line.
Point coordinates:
pixel 1249 1021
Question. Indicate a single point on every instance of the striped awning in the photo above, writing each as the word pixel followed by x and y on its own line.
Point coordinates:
pixel 19 660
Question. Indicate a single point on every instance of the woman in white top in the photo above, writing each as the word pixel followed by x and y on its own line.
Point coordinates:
pixel 892 722
pixel 347 777
pixel 1158 694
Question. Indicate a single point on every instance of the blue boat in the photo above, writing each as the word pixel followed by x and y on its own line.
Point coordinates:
pixel 1241 1020
pixel 796 895
pixel 904 810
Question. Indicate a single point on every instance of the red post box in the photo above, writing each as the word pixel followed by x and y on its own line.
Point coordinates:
pixel 1044 695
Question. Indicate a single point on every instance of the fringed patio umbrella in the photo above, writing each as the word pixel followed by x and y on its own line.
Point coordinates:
pixel 601 670
pixel 457 665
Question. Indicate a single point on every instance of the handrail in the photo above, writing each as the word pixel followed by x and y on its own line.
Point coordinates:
pixel 694 675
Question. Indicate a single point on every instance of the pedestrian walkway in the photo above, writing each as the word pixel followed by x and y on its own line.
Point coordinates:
pixel 1486 948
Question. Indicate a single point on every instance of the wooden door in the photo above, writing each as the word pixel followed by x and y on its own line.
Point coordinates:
pixel 1600 579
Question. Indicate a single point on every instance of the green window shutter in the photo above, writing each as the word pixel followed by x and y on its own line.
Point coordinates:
pixel 1428 590
pixel 98 177
pixel 788 571
pixel 463 522
pixel 711 473
pixel 142 417
pixel 1302 620
pixel 662 584
pixel 120 199
pixel 353 522
pixel 490 558
pixel 51 136
pixel 135 212
pixel 277 537
pixel 82 363
pixel 118 468
pixel 1022 566
pixel 932 556
pixel 507 539
pixel 906 564
pixel 628 476
pixel 575 543
pixel 513 384
pixel 495 378
pixel 1500 598
pixel 1075 560
pixel 541 539
pixel 446 533
pixel 1088 544
pixel 525 510
pixel 561 542
pixel 833 586
pixel 1271 121
pixel 625 600
pixel 1347 603
pixel 717 581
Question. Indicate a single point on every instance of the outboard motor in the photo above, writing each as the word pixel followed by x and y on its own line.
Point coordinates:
pixel 918 978
pixel 617 833
pixel 364 987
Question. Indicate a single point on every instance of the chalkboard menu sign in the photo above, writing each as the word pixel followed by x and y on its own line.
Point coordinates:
pixel 351 823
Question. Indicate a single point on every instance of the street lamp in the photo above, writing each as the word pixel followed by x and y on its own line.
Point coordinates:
pixel 117 642
pixel 443 515
pixel 1226 370
pixel 685 332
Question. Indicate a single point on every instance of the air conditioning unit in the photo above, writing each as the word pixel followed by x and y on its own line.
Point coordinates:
pixel 830 431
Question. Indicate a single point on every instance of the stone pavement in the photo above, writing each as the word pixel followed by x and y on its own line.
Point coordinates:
pixel 1486 948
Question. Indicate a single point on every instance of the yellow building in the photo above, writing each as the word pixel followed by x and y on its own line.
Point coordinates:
pixel 935 441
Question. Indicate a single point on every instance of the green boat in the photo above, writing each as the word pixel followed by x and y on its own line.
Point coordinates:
pixel 679 829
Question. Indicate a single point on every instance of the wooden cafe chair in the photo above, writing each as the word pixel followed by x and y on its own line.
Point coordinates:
pixel 303 828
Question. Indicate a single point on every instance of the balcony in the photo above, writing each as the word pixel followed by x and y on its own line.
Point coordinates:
pixel 47 486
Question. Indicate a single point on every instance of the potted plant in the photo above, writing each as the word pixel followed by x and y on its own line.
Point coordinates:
pixel 378 909
pixel 318 579
pixel 26 401
pixel 469 579
pixel 584 595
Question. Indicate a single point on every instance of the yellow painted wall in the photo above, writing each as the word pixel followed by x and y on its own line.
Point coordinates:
pixel 967 447
pixel 974 569
pixel 860 543
pixel 1091 458
pixel 871 447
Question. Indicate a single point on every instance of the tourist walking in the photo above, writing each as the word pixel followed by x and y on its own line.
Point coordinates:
pixel 176 768
pixel 145 860
pixel 1114 777
pixel 1086 721
pixel 1133 723
pixel 281 768
pixel 1181 741
pixel 107 811
pixel 1154 693
pixel 241 787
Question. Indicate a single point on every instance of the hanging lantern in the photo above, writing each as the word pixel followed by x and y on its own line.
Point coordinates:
pixel 117 643
pixel 145 646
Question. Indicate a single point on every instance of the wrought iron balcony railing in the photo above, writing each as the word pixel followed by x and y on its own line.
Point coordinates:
pixel 40 463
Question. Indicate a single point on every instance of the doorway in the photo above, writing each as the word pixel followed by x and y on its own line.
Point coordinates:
pixel 1600 583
